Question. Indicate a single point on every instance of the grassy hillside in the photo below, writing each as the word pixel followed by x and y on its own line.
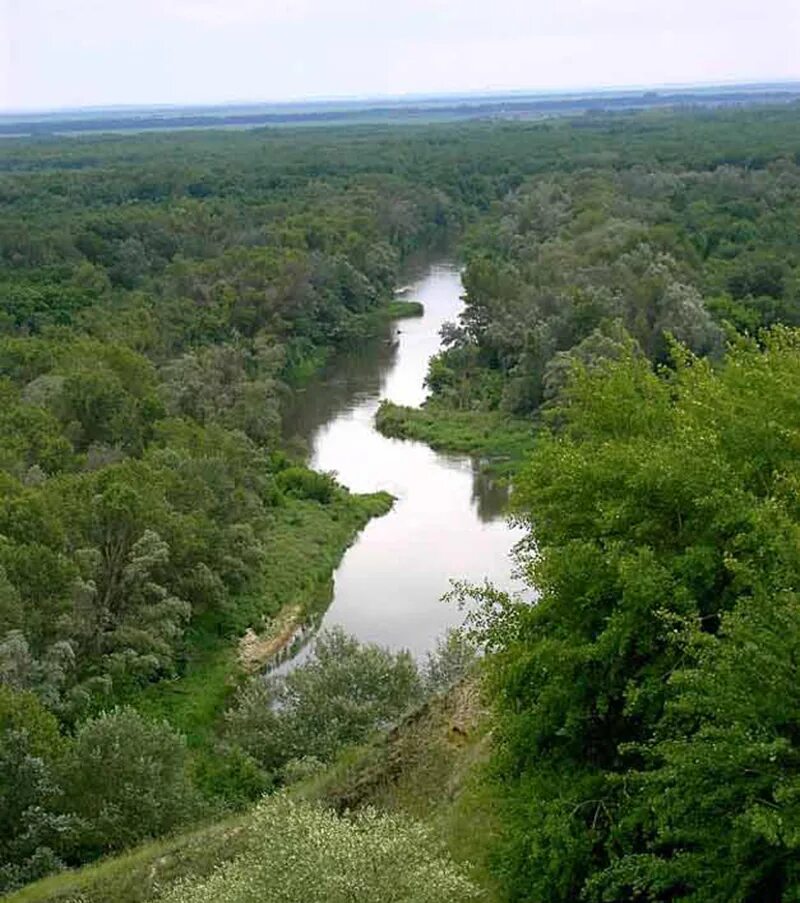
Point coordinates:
pixel 429 767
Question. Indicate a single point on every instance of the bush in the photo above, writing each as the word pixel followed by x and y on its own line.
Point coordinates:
pixel 307 484
pixel 32 832
pixel 127 778
pixel 302 852
pixel 646 730
pixel 454 656
pixel 342 694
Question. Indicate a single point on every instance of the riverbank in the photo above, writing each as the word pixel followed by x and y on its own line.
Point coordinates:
pixel 302 368
pixel 333 415
pixel 305 544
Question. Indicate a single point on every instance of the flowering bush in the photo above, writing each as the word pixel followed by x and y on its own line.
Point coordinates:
pixel 302 852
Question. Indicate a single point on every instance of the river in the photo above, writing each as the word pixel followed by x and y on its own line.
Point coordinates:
pixel 448 519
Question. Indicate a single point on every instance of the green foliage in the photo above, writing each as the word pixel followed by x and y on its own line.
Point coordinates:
pixel 397 309
pixel 231 385
pixel 452 659
pixel 20 712
pixel 160 291
pixel 570 261
pixel 127 779
pixel 344 692
pixel 423 770
pixel 306 542
pixel 142 874
pixel 308 853
pixel 721 786
pixel 65 799
pixel 302 483
pixel 32 830
pixel 639 753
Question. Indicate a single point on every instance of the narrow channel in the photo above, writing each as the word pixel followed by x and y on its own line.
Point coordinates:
pixel 448 520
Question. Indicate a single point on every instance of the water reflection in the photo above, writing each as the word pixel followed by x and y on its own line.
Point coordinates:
pixel 448 520
pixel 349 380
pixel 489 495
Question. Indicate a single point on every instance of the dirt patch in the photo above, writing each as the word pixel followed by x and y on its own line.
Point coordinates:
pixel 256 650
pixel 420 763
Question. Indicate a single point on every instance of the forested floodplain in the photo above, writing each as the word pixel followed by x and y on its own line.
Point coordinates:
pixel 627 356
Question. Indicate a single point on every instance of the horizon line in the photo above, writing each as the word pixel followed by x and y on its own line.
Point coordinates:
pixel 751 83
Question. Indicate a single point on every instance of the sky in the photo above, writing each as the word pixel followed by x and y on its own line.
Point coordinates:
pixel 73 53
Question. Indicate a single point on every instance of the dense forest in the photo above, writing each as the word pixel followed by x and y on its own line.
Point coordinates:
pixel 570 266
pixel 632 285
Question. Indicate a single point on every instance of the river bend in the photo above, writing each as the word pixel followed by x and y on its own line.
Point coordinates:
pixel 448 519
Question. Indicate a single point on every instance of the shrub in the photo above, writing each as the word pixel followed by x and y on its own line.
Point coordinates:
pixel 454 656
pixel 303 852
pixel 32 832
pixel 128 779
pixel 307 484
pixel 344 692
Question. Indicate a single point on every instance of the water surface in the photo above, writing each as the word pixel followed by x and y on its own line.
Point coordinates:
pixel 448 519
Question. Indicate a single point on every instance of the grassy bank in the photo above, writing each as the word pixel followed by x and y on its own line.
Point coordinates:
pixel 137 876
pixel 429 767
pixel 399 310
pixel 501 441
pixel 365 326
pixel 305 544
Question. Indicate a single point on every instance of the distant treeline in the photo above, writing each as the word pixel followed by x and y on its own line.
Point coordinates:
pixel 332 114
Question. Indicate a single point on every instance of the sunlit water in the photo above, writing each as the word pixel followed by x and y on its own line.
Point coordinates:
pixel 447 522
